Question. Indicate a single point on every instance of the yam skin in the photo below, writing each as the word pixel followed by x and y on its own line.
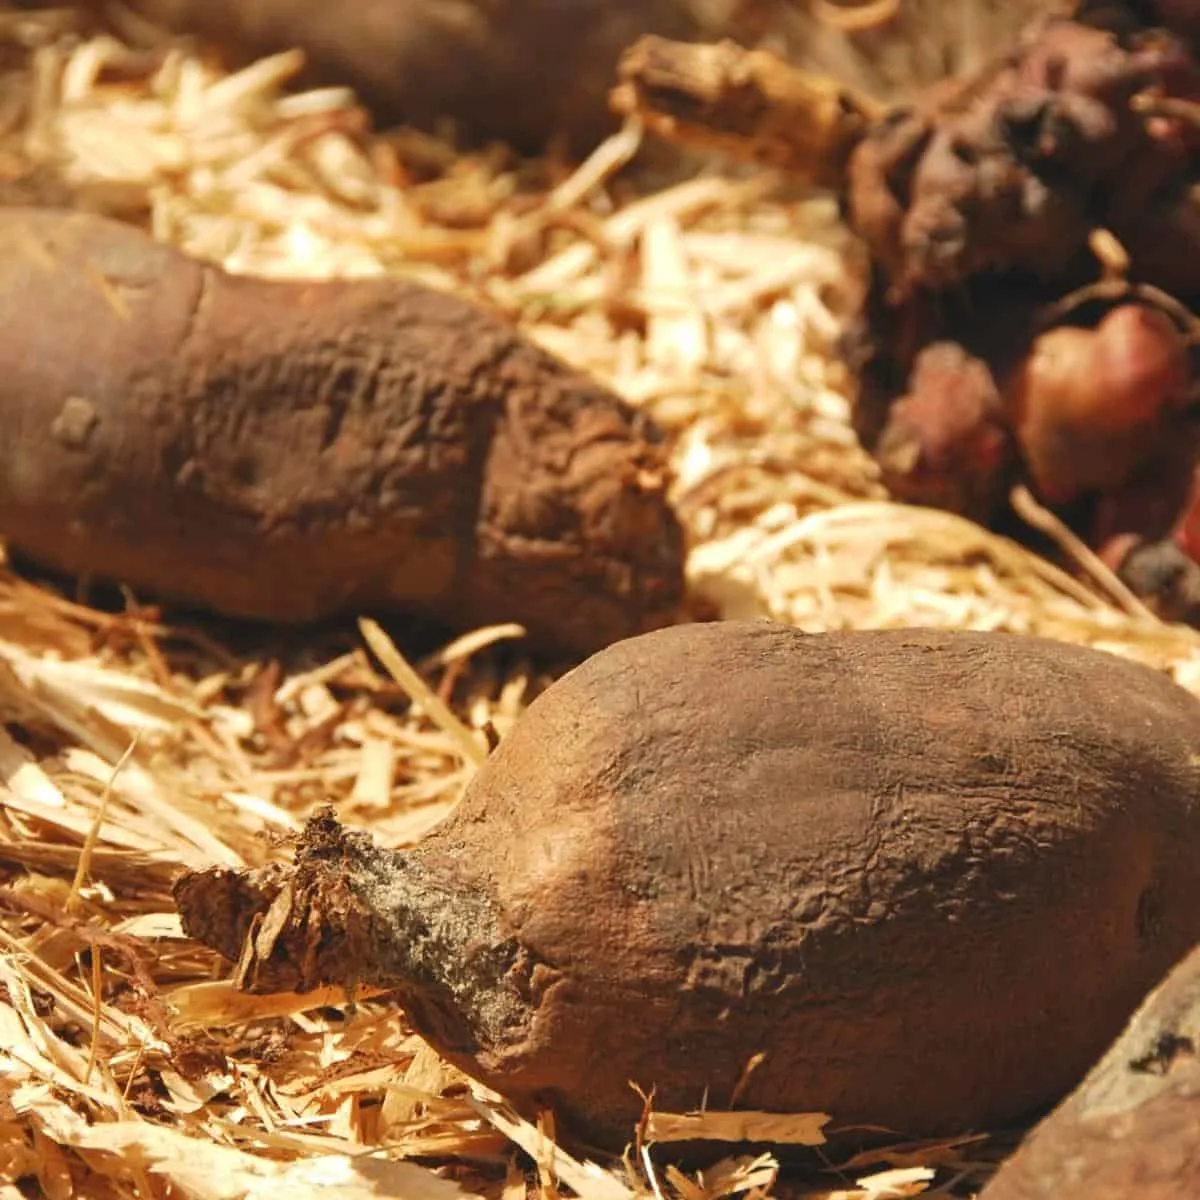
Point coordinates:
pixel 927 874
pixel 1130 1129
pixel 286 451
pixel 523 71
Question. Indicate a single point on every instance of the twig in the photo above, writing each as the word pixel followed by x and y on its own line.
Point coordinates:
pixel 1044 521
pixel 856 18
pixel 419 692
pixel 93 834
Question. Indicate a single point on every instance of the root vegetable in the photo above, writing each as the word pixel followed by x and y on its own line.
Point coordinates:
pixel 947 442
pixel 521 71
pixel 1091 405
pixel 927 876
pixel 1065 165
pixel 1130 1129
pixel 291 450
pixel 1013 171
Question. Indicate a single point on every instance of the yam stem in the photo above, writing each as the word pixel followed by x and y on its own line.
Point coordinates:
pixel 746 103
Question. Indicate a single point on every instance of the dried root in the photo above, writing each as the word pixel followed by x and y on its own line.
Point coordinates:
pixel 290 451
pixel 747 102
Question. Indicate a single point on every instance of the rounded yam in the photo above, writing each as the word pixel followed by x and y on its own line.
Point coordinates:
pixel 926 876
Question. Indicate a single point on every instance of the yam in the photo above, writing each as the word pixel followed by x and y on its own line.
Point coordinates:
pixel 521 71
pixel 1132 1128
pixel 286 451
pixel 909 879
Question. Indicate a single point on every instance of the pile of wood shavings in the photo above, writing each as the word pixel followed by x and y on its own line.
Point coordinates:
pixel 132 749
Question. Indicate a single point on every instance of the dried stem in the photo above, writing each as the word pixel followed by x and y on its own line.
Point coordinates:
pixel 748 103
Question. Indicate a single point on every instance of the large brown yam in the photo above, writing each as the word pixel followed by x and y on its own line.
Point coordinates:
pixel 1132 1129
pixel 290 450
pixel 522 71
pixel 928 875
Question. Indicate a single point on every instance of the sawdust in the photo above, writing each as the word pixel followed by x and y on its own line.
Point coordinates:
pixel 133 747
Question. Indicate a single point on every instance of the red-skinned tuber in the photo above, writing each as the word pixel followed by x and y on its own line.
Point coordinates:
pixel 916 880
pixel 1130 1129
pixel 1089 406
pixel 946 442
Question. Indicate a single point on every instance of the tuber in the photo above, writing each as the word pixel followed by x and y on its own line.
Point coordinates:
pixel 946 443
pixel 1059 174
pixel 1090 405
pixel 1132 1128
pixel 926 876
pixel 290 450
pixel 522 71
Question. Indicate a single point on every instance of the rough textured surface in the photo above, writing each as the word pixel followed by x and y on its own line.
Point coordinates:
pixel 1042 216
pixel 1013 170
pixel 522 70
pixel 978 205
pixel 1132 1129
pixel 928 875
pixel 287 450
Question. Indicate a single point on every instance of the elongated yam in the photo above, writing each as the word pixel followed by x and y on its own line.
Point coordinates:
pixel 290 450
pixel 927 876
pixel 523 71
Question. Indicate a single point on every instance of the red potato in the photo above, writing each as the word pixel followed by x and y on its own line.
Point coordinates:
pixel 1089 406
pixel 289 450
pixel 946 442
pixel 927 876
